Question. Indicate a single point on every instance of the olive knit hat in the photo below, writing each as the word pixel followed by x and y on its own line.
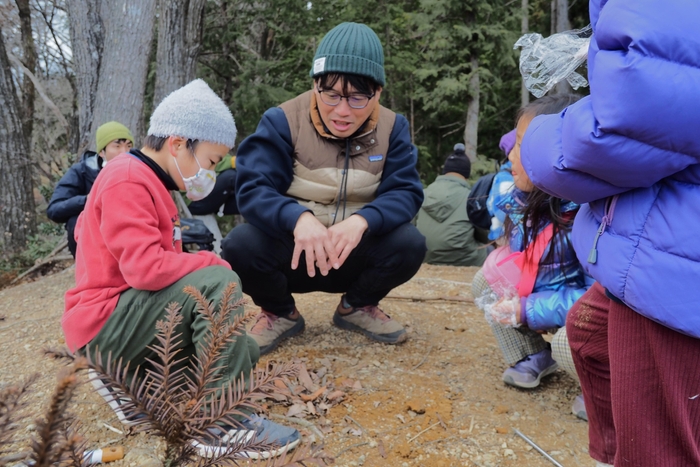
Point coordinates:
pixel 194 112
pixel 351 48
pixel 111 131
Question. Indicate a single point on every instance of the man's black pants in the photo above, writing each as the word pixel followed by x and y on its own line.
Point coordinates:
pixel 377 265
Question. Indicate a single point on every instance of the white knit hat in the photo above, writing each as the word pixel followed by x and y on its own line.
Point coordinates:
pixel 195 112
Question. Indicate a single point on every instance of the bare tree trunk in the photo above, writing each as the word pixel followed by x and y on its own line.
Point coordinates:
pixel 128 32
pixel 471 128
pixel 17 209
pixel 560 23
pixel 179 40
pixel 29 58
pixel 562 14
pixel 87 39
pixel 524 27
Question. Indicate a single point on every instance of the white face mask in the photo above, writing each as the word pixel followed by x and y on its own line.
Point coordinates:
pixel 201 184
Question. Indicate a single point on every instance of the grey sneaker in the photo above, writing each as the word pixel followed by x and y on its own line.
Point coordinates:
pixel 579 408
pixel 280 438
pixel 270 329
pixel 371 321
pixel 528 372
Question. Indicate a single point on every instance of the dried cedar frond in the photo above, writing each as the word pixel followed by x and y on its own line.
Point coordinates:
pixel 181 401
pixel 45 448
pixel 12 401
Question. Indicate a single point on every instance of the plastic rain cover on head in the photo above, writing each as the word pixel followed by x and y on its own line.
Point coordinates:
pixel 546 61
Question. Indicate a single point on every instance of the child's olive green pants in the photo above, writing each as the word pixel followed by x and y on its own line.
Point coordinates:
pixel 131 329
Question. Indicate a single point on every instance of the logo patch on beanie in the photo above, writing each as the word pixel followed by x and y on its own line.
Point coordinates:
pixel 319 65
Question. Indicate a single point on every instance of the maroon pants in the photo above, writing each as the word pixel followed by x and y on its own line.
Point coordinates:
pixel 641 384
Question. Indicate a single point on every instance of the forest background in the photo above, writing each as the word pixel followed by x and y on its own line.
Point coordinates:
pixel 67 66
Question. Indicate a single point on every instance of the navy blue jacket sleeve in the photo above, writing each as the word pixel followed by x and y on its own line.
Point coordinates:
pixel 69 196
pixel 400 192
pixel 265 172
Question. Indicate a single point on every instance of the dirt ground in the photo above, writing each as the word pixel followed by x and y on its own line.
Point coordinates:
pixel 436 400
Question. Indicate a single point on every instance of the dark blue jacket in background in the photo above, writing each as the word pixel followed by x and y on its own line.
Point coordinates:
pixel 68 199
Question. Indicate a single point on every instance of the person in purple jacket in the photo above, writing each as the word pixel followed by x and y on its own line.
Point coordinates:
pixel 631 151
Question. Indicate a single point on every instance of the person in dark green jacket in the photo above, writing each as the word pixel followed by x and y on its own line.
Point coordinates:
pixel 443 217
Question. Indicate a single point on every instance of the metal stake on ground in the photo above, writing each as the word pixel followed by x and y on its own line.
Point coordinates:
pixel 539 449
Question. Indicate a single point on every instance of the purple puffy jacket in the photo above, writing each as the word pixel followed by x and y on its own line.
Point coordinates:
pixel 632 151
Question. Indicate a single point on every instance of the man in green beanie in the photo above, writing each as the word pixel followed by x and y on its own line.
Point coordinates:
pixel 328 185
pixel 71 192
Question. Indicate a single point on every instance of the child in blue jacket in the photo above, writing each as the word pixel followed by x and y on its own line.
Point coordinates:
pixel 518 320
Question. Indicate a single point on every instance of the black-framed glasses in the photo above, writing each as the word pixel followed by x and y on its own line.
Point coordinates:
pixel 355 101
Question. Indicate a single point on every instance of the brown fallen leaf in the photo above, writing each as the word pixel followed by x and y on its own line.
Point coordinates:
pixel 380 447
pixel 279 384
pixel 305 379
pixel 310 407
pixel 276 396
pixel 325 362
pixel 335 395
pixel 347 383
pixel 314 396
pixel 297 410
pixel 417 406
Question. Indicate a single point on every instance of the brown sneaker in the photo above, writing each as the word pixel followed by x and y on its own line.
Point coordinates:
pixel 371 321
pixel 269 329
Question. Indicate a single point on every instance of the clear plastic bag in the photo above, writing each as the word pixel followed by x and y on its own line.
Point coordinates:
pixel 546 61
pixel 494 310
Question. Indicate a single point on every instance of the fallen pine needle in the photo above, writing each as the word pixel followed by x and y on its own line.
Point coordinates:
pixel 424 358
pixel 350 447
pixel 111 428
pixel 431 426
pixel 442 424
pixel 471 425
pixel 356 423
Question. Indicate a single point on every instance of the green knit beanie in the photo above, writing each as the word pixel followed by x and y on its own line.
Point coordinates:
pixel 111 131
pixel 350 48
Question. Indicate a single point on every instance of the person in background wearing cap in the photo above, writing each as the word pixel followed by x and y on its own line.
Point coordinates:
pixel 443 220
pixel 329 186
pixel 130 265
pixel 71 192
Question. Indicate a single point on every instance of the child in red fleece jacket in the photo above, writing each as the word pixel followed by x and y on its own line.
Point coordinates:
pixel 130 264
